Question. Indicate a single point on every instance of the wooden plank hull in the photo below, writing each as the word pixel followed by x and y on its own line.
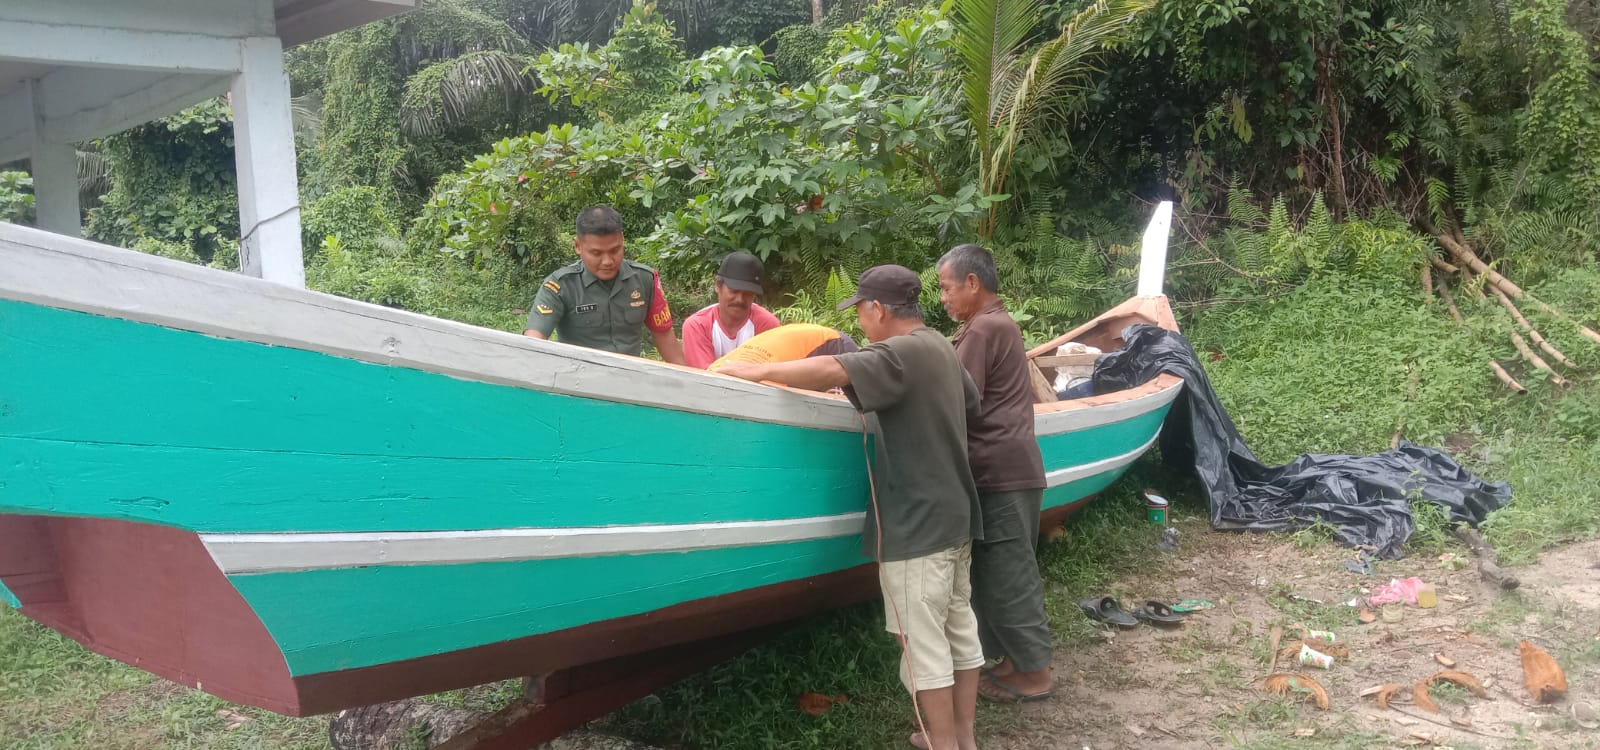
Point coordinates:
pixel 306 503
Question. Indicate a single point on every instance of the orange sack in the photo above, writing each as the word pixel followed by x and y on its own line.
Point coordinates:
pixel 787 343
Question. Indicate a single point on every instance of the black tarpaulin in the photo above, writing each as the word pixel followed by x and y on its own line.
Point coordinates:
pixel 1367 499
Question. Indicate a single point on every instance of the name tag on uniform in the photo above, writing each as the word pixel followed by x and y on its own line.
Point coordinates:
pixel 585 308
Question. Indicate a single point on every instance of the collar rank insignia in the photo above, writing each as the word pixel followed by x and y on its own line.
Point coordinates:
pixel 552 285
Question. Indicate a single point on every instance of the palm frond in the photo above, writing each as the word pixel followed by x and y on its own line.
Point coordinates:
pixel 989 35
pixel 1061 67
pixel 446 93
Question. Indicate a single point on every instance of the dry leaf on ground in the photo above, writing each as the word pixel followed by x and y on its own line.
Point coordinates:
pixel 1464 679
pixel 818 704
pixel 1419 696
pixel 1444 661
pixel 1383 693
pixel 1542 674
pixel 1285 683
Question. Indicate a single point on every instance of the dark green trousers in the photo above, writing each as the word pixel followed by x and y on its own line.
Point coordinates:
pixel 1007 592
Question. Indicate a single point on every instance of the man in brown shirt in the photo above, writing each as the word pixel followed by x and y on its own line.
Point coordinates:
pixel 1007 592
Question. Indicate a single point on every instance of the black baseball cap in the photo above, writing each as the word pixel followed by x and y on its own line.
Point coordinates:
pixel 742 271
pixel 890 285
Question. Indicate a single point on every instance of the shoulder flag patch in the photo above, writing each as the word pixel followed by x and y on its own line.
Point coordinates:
pixel 552 285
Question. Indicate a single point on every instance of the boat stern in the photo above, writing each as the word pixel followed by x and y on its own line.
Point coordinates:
pixel 146 595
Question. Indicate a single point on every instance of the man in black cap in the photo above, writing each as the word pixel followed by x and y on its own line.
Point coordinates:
pixel 925 511
pixel 736 318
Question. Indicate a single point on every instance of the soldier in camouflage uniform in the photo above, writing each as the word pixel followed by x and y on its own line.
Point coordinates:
pixel 603 301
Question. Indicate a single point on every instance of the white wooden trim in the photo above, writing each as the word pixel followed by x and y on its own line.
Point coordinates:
pixel 263 138
pixel 94 46
pixel 244 554
pixel 1074 473
pixel 80 275
pixel 1073 420
pixel 76 274
pixel 1153 254
pixel 237 554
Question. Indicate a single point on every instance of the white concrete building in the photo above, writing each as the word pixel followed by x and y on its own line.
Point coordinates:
pixel 76 70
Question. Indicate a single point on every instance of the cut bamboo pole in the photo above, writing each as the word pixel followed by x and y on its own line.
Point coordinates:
pixel 1443 264
pixel 1464 254
pixel 1427 282
pixel 1532 332
pixel 1450 302
pixel 1505 377
pixel 1538 362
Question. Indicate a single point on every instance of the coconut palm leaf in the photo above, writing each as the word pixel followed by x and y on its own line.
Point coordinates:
pixel 1010 96
pixel 449 92
pixel 1037 95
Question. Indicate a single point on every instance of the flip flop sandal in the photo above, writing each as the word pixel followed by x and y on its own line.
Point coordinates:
pixel 1191 605
pixel 1106 610
pixel 1013 695
pixel 1156 613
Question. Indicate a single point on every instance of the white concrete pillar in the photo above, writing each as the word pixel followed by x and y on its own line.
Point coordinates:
pixel 263 138
pixel 55 174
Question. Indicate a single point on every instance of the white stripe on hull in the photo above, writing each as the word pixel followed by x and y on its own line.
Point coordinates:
pixel 1074 473
pixel 239 554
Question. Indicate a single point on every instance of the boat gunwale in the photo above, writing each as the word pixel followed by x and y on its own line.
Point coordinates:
pixel 66 273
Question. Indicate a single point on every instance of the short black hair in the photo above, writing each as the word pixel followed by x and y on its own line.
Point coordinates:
pixel 969 258
pixel 599 220
pixel 908 311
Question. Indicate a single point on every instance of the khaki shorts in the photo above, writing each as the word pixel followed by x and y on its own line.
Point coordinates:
pixel 928 602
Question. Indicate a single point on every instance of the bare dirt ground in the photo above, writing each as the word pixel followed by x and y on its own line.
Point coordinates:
pixel 1199 686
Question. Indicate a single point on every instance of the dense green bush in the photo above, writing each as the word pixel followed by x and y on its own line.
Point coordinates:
pixel 16 197
pixel 174 182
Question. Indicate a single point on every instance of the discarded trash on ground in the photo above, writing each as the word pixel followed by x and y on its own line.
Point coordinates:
pixel 1311 657
pixel 1286 683
pixel 1585 715
pixel 1395 591
pixel 1542 675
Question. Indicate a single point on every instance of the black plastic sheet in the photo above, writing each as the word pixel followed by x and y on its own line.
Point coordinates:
pixel 1366 499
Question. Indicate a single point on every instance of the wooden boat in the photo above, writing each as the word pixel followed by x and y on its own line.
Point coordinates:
pixel 306 503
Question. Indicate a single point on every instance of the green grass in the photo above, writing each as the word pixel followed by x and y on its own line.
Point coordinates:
pixel 56 695
pixel 750 701
pixel 1325 369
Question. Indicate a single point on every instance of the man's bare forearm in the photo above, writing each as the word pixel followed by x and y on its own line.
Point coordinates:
pixel 815 373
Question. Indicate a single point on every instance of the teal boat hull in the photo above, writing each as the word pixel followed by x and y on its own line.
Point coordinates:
pixel 307 503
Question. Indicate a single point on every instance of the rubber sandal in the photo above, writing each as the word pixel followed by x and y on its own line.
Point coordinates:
pixel 1106 610
pixel 1013 695
pixel 1156 613
pixel 1191 605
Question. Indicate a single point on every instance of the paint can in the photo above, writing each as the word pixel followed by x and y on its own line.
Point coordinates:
pixel 1314 658
pixel 1155 508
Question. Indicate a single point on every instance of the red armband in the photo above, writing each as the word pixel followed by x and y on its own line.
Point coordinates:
pixel 660 319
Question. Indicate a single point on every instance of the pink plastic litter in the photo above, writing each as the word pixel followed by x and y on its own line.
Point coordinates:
pixel 1403 590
